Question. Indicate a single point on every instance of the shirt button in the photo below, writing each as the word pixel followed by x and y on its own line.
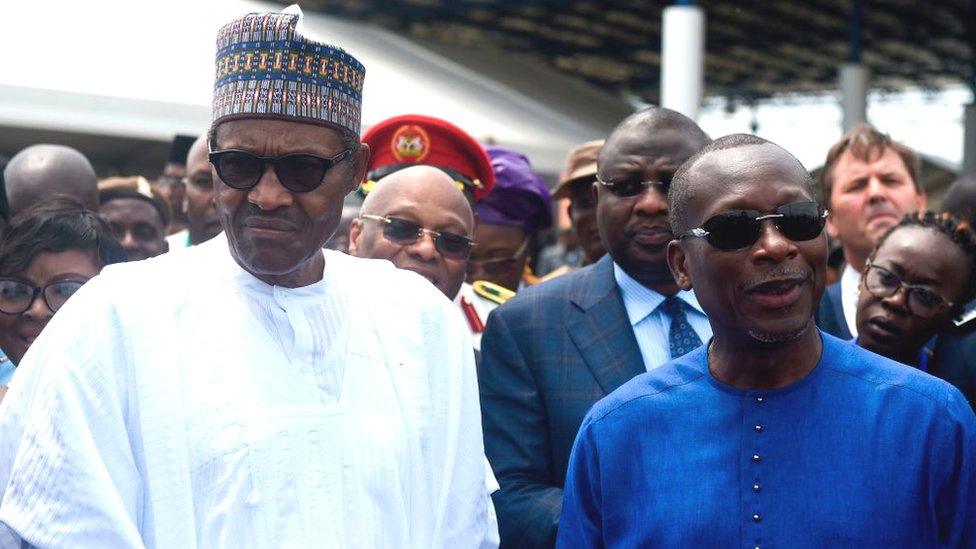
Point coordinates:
pixel 759 428
pixel 756 517
pixel 755 488
pixel 759 400
pixel 755 458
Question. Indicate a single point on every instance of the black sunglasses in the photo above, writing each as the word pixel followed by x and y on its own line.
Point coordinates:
pixel 299 173
pixel 628 188
pixel 401 231
pixel 920 301
pixel 17 296
pixel 740 229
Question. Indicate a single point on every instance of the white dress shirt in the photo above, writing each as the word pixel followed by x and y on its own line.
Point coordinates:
pixel 850 279
pixel 651 324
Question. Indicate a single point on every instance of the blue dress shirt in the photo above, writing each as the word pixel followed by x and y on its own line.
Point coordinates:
pixel 862 452
pixel 651 324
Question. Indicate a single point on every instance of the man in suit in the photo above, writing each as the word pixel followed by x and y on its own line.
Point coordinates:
pixel 555 349
pixel 868 183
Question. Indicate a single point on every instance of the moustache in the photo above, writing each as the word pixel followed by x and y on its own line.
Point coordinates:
pixel 778 273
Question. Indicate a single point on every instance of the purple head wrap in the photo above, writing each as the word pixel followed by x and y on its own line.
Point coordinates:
pixel 520 197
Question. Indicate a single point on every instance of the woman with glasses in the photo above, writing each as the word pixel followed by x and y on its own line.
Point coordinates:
pixel 48 253
pixel 509 218
pixel 920 275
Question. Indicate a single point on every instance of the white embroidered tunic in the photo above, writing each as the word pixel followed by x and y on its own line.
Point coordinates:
pixel 181 402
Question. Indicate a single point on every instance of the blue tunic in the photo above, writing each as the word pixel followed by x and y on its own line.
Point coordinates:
pixel 862 452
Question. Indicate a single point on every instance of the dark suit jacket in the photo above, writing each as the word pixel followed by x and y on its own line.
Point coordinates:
pixel 547 356
pixel 830 314
pixel 954 358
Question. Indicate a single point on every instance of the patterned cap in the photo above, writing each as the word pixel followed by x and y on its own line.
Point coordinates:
pixel 267 69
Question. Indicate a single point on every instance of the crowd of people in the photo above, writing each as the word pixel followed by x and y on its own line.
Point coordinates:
pixel 241 353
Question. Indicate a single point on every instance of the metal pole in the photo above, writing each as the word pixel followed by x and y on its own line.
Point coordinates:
pixel 854 76
pixel 682 58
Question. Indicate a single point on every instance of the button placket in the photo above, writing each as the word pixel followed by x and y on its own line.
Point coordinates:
pixel 754 427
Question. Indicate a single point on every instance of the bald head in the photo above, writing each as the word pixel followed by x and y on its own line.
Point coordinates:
pixel 421 196
pixel 41 171
pixel 652 123
pixel 198 152
pixel 420 183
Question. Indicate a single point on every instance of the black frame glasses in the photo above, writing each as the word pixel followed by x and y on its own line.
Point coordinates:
pixel 919 300
pixel 403 231
pixel 740 229
pixel 499 265
pixel 630 188
pixel 28 293
pixel 298 172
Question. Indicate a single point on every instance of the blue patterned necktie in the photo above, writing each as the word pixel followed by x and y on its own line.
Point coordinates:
pixel 681 336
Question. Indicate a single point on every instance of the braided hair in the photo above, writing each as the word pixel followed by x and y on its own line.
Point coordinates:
pixel 960 232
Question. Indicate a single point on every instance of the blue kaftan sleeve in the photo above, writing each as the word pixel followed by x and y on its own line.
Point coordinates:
pixel 956 496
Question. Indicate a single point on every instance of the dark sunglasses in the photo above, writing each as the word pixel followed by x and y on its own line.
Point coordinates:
pixel 740 229
pixel 401 231
pixel 920 301
pixel 628 188
pixel 17 296
pixel 299 173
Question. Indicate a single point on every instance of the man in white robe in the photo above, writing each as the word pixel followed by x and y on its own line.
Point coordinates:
pixel 314 399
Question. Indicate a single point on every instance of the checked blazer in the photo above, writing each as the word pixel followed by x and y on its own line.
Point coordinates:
pixel 548 355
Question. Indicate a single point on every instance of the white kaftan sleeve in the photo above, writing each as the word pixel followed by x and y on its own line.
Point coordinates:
pixel 66 458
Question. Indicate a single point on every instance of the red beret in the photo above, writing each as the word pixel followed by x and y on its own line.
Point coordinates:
pixel 411 139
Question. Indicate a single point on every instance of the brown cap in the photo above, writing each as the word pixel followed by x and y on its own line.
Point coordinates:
pixel 581 163
pixel 136 187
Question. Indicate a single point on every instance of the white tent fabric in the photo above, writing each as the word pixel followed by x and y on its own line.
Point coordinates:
pixel 145 69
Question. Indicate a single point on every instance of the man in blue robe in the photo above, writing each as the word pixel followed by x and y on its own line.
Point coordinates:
pixel 774 433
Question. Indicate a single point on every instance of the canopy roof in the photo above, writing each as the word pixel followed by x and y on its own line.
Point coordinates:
pixel 754 49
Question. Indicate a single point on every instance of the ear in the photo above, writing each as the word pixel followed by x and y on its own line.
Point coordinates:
pixel 832 229
pixel 359 164
pixel 922 200
pixel 355 233
pixel 678 263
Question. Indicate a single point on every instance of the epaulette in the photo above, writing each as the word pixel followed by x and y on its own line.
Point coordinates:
pixel 491 291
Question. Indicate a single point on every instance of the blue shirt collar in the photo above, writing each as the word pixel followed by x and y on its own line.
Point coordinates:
pixel 640 301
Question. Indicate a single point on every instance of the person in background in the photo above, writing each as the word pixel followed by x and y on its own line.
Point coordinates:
pixel 868 183
pixel 137 214
pixel 42 171
pixel 774 434
pixel 556 348
pixel 915 281
pixel 412 139
pixel 49 251
pixel 170 184
pixel 510 218
pixel 418 220
pixel 576 184
pixel 960 199
pixel 563 255
pixel 340 240
pixel 199 212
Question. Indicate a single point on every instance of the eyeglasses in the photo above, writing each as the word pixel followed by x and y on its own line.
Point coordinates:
pixel 17 296
pixel 920 301
pixel 299 173
pixel 632 187
pixel 499 265
pixel 740 229
pixel 401 231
